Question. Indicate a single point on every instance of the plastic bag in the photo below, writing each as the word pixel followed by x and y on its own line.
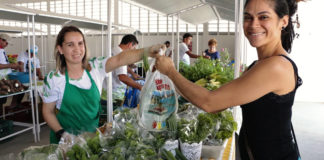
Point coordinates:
pixel 158 101
pixel 46 152
pixel 132 95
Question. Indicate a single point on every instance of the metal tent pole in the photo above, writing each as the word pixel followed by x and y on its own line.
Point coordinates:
pixel 172 39
pixel 109 79
pixel 238 49
pixel 31 82
pixel 197 42
pixel 35 79
pixel 102 40
pixel 178 42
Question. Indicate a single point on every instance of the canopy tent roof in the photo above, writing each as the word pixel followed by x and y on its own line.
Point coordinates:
pixel 191 11
pixel 194 11
pixel 12 12
pixel 20 13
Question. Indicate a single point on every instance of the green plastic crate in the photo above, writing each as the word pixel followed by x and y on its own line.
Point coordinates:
pixel 5 127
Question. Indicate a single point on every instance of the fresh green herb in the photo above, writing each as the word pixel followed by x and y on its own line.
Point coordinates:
pixel 195 131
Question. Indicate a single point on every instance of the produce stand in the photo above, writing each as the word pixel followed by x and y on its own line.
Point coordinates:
pixel 125 137
pixel 228 149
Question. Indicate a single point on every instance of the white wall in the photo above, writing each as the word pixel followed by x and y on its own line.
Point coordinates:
pixel 224 41
pixel 95 49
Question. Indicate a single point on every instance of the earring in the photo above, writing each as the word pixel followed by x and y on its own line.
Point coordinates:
pixel 282 28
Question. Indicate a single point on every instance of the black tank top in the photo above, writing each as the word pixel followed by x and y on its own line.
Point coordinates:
pixel 266 125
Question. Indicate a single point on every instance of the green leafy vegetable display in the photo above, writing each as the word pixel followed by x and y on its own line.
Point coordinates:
pixel 210 74
pixel 226 128
pixel 195 131
pixel 77 153
pixel 41 152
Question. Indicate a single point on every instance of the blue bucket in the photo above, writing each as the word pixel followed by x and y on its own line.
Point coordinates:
pixel 23 77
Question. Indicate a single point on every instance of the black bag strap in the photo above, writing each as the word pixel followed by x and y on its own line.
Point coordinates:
pixel 248 149
pixel 247 146
pixel 295 141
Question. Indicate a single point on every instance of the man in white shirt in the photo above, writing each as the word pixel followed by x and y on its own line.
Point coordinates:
pixel 168 51
pixel 184 52
pixel 5 66
pixel 120 79
pixel 23 61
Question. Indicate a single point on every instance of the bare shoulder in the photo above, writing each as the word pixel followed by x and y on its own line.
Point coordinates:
pixel 281 71
pixel 275 65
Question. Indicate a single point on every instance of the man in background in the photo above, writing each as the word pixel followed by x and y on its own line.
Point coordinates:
pixel 6 68
pixel 184 52
pixel 120 79
pixel 23 61
pixel 168 51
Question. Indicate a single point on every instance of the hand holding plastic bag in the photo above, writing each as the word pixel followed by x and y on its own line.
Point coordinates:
pixel 67 138
pixel 157 49
pixel 164 64
pixel 158 101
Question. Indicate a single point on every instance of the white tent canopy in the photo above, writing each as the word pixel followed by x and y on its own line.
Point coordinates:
pixel 194 11
pixel 12 12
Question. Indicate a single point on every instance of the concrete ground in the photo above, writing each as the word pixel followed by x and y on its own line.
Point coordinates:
pixel 308 120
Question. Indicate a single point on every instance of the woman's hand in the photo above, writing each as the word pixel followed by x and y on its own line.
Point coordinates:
pixel 164 64
pixel 155 50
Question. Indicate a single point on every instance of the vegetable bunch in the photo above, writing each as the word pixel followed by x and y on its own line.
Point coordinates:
pixel 196 130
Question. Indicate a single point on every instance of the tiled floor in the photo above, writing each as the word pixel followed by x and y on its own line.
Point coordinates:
pixel 308 120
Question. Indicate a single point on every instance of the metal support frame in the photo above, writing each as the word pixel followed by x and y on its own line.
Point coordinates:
pixel 178 42
pixel 102 40
pixel 109 79
pixel 35 80
pixel 238 49
pixel 172 39
pixel 197 42
pixel 34 125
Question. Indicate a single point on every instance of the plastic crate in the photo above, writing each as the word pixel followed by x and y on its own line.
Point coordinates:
pixel 23 77
pixel 5 127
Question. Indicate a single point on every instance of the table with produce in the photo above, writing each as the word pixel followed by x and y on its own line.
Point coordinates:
pixel 164 126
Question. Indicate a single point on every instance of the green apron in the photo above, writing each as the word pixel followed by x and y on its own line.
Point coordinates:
pixel 79 110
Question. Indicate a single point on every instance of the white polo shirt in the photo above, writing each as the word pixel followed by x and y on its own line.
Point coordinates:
pixel 184 57
pixel 23 57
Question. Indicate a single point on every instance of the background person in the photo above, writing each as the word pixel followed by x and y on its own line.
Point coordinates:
pixel 265 91
pixel 212 52
pixel 120 78
pixel 6 68
pixel 184 52
pixel 168 51
pixel 23 61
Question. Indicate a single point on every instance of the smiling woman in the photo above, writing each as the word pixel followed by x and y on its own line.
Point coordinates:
pixel 73 89
pixel 73 48
pixel 265 91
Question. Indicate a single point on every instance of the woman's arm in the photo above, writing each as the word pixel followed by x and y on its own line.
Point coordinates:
pixel 274 74
pixel 50 117
pixel 131 56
